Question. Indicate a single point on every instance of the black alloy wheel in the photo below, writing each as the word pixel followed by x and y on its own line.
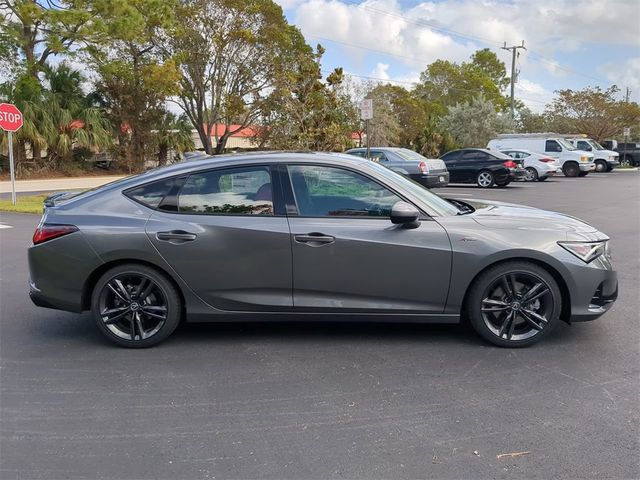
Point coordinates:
pixel 514 304
pixel 135 306
pixel 571 169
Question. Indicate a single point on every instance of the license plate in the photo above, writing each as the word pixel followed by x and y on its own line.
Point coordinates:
pixel 442 179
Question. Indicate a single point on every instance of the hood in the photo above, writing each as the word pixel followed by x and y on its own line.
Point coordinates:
pixel 510 216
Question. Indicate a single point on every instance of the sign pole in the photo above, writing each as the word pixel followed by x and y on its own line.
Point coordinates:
pixel 12 169
pixel 366 132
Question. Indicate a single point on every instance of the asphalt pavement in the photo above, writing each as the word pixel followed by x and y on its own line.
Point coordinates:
pixel 335 400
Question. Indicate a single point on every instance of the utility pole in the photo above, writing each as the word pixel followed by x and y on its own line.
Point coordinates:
pixel 513 50
pixel 627 95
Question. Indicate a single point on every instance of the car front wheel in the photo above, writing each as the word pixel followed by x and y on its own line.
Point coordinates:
pixel 601 166
pixel 135 306
pixel 514 304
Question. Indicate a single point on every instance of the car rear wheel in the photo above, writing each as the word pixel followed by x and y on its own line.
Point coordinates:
pixel 514 304
pixel 571 169
pixel 135 306
pixel 531 174
pixel 485 179
pixel 601 166
pixel 626 161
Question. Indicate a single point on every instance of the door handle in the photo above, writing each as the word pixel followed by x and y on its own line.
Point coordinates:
pixel 315 239
pixel 176 236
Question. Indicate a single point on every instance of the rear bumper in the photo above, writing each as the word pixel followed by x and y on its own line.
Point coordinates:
pixel 431 180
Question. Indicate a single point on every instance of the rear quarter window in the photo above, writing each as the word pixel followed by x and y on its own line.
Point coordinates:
pixel 151 194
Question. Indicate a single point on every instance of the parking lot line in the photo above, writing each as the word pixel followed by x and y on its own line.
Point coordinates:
pixel 2 225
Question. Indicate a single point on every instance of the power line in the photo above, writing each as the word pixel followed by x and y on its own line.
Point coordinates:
pixel 536 56
pixel 406 82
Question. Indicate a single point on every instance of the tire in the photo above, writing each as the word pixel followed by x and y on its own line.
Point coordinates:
pixel 532 174
pixel 501 319
pixel 626 161
pixel 571 169
pixel 601 166
pixel 583 174
pixel 141 300
pixel 485 179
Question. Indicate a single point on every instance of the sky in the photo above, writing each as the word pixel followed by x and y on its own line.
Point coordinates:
pixel 570 44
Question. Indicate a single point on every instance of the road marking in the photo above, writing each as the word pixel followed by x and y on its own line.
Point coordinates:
pixel 2 225
pixel 459 194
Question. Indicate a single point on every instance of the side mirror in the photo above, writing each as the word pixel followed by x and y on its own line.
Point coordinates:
pixel 405 214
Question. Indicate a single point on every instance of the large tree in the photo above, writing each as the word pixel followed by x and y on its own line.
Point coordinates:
pixel 134 80
pixel 306 112
pixel 230 53
pixel 474 123
pixel 449 83
pixel 592 111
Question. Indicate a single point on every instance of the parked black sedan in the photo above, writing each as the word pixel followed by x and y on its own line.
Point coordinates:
pixel 484 167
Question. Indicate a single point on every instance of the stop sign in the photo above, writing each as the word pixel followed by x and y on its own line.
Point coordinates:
pixel 10 117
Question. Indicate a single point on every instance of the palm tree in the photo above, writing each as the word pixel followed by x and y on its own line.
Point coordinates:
pixel 77 124
pixel 172 133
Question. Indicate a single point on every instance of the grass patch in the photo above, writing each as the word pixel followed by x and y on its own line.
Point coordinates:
pixel 24 204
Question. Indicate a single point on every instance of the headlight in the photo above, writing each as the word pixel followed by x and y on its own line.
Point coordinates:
pixel 586 251
pixel 584 159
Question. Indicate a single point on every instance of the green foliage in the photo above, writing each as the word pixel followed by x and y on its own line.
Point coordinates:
pixel 306 113
pixel 474 123
pixel 231 54
pixel 172 133
pixel 449 83
pixel 592 111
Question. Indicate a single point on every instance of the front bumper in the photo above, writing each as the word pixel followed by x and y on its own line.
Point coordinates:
pixel 431 180
pixel 587 167
pixel 594 289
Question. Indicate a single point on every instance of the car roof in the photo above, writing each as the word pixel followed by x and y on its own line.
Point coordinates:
pixel 388 149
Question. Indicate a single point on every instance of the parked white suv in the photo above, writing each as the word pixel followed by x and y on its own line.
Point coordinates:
pixel 604 159
pixel 538 166
pixel 572 161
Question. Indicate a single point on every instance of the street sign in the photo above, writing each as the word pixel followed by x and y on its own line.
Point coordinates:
pixel 627 131
pixel 366 109
pixel 10 121
pixel 10 117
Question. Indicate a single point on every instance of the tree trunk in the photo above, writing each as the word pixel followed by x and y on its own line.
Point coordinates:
pixel 222 141
pixel 163 154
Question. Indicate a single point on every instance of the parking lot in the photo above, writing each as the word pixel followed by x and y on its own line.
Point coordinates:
pixel 329 400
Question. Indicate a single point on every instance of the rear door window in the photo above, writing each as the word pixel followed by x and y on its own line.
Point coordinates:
pixel 231 191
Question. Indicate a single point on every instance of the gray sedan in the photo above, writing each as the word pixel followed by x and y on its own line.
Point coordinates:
pixel 429 172
pixel 280 236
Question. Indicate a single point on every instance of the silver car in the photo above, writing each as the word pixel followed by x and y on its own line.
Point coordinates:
pixel 280 236
pixel 428 172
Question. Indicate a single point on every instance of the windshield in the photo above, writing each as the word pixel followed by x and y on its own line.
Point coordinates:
pixel 565 144
pixel 407 154
pixel 595 145
pixel 439 205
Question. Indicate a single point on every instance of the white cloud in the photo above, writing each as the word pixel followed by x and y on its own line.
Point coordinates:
pixel 380 72
pixel 453 29
pixel 625 75
pixel 532 94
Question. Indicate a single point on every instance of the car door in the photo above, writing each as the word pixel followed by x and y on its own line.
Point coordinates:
pixel 225 233
pixel 452 161
pixel 471 163
pixel 553 149
pixel 349 257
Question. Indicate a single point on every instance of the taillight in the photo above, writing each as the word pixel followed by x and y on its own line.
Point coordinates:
pixel 423 167
pixel 510 164
pixel 49 231
pixel 547 160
